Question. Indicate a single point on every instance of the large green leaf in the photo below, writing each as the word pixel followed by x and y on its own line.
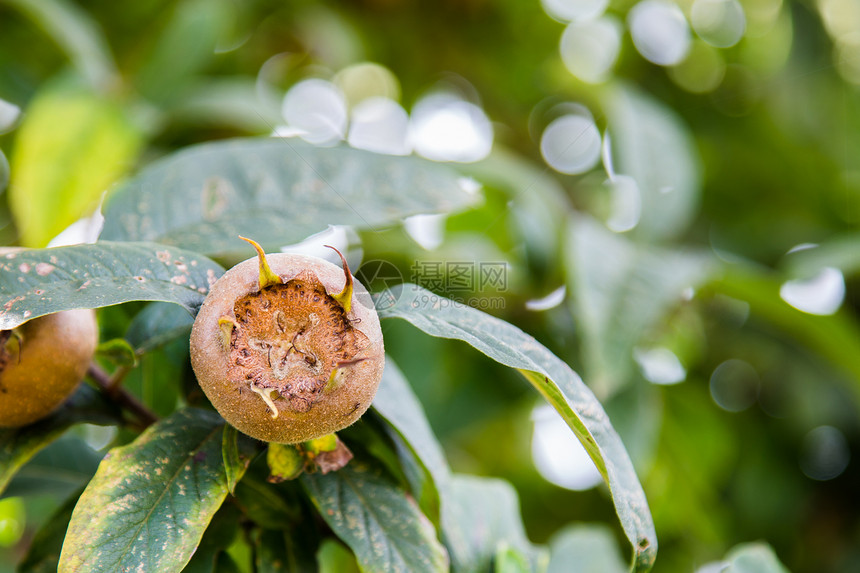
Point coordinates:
pixel 150 501
pixel 43 281
pixel 19 445
pixel 592 547
pixel 480 516
pixel 619 291
pixel 276 190
pixel 377 520
pixel 652 145
pixel 554 379
pixel 71 146
pixel 399 406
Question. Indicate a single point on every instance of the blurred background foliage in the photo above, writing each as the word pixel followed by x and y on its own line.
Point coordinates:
pixel 673 188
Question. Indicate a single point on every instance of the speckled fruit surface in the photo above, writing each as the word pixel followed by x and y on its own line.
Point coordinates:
pixel 288 346
pixel 44 363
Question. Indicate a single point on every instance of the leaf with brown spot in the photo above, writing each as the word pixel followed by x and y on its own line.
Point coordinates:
pixel 128 520
pixel 97 275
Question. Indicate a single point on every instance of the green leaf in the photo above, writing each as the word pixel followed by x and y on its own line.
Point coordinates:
pixel 284 552
pixel 556 382
pixel 264 504
pixel 233 102
pixel 479 515
pixel 76 33
pixel 399 406
pixel 592 547
pixel 839 252
pixel 185 46
pixel 118 351
pixel 19 445
pixel 157 324
pixel 4 171
pixel 540 202
pixel 381 525
pixel 836 337
pixel 334 557
pixel 621 290
pixel 753 558
pixel 510 560
pixel 219 535
pixel 63 467
pixel 276 190
pixel 150 501
pixel 71 146
pixel 44 553
pixel 650 143
pixel 43 281
pixel 236 459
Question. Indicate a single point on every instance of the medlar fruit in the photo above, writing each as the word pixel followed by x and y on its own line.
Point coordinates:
pixel 42 362
pixel 288 352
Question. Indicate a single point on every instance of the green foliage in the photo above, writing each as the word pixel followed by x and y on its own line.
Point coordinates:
pixel 717 182
pixel 376 520
pixel 277 190
pixel 39 282
pixel 557 383
pixel 150 501
pixel 72 145
pixel 18 445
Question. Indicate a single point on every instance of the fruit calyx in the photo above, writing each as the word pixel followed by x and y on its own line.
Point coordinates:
pixel 291 340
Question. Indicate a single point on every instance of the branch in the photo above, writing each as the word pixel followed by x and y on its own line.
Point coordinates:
pixel 121 396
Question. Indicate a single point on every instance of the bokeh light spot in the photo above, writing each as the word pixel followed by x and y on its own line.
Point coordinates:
pixel 380 124
pixel 558 455
pixel 821 294
pixel 701 71
pixel 660 31
pixel 625 202
pixel 590 48
pixel 364 80
pixel 824 453
pixel 571 144
pixel 734 385
pixel 568 10
pixel 444 127
pixel 317 110
pixel 720 23
pixel 660 366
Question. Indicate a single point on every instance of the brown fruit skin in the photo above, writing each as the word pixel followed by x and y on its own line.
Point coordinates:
pixel 245 409
pixel 55 352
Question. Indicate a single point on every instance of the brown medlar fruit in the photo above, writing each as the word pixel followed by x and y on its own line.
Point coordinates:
pixel 42 362
pixel 288 352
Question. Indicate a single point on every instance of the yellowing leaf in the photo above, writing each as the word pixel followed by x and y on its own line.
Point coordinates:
pixel 71 146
